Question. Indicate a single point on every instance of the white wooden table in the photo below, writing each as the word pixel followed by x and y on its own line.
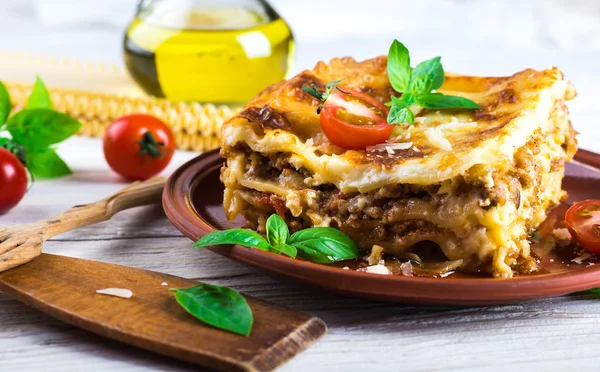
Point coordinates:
pixel 551 334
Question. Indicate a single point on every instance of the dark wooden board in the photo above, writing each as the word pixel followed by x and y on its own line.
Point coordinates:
pixel 151 319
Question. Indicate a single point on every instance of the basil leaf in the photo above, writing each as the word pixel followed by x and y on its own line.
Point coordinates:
pixel 5 104
pixel 45 163
pixel 594 290
pixel 324 245
pixel 441 101
pixel 41 127
pixel 277 230
pixel 400 112
pixel 426 76
pixel 39 97
pixel 286 249
pixel 398 66
pixel 409 99
pixel 244 237
pixel 220 307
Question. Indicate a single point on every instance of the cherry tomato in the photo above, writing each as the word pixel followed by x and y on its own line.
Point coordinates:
pixel 354 120
pixel 138 146
pixel 13 180
pixel 583 221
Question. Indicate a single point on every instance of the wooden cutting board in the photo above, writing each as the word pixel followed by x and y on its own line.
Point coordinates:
pixel 65 288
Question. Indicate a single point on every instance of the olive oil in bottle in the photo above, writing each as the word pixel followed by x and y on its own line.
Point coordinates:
pixel 208 51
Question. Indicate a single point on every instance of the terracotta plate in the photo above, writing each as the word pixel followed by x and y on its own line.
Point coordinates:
pixel 193 202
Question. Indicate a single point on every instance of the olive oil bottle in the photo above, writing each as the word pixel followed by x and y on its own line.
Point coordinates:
pixel 218 51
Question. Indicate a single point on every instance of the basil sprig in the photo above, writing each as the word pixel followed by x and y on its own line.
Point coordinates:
pixel 5 105
pixel 220 307
pixel 313 90
pixel 35 130
pixel 317 244
pixel 417 86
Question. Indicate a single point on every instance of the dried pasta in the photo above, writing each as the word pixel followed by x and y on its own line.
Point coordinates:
pixel 196 126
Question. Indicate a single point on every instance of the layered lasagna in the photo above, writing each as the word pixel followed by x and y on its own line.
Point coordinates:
pixel 476 183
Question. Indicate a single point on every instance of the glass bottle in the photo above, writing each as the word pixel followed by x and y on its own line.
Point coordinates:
pixel 220 51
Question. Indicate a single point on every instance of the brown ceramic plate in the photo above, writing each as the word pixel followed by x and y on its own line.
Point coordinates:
pixel 193 202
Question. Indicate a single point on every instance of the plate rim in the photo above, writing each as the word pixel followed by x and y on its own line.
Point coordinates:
pixel 470 291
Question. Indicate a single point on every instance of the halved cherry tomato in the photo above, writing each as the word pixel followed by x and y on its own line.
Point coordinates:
pixel 138 146
pixel 13 180
pixel 354 120
pixel 583 221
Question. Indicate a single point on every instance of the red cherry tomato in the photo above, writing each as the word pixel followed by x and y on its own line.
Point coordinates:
pixel 13 180
pixel 138 146
pixel 354 120
pixel 583 221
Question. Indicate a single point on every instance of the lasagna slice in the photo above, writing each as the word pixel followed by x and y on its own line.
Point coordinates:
pixel 475 182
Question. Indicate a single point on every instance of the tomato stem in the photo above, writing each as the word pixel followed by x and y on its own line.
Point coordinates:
pixel 16 149
pixel 149 146
pixel 19 152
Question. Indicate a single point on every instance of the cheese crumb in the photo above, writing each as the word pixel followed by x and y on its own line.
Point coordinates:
pixel 164 284
pixel 378 269
pixel 562 234
pixel 579 260
pixel 376 255
pixel 117 292
pixel 406 269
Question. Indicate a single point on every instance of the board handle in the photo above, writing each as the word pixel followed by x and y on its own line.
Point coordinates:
pixel 20 244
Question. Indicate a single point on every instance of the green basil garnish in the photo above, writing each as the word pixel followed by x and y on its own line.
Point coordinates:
pixel 39 98
pixel 41 127
pixel 277 230
pixel 244 237
pixel 416 86
pixel 34 130
pixel 45 163
pixel 220 307
pixel 5 105
pixel 317 244
pixel 324 245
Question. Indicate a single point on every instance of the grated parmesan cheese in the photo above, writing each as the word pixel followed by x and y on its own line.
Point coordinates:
pixel 436 137
pixel 117 292
pixel 390 147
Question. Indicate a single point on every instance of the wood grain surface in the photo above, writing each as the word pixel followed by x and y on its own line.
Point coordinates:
pixel 65 288
pixel 550 334
pixel 21 243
